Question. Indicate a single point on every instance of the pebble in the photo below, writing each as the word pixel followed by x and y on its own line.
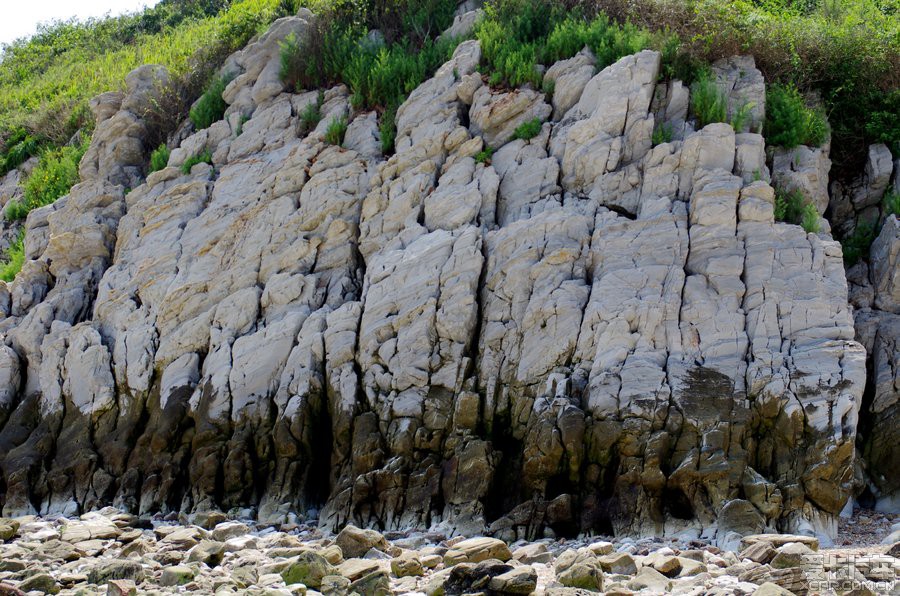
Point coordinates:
pixel 114 554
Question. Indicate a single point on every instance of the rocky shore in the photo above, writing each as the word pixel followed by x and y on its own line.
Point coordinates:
pixel 113 553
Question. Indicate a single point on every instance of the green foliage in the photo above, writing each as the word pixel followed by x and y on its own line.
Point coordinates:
pixel 809 219
pixel 210 107
pixel 205 157
pixel 528 130
pixel 159 159
pixel 387 130
pixel 792 207
pixel 510 36
pixel 846 52
pixel 15 210
pixel 549 87
pixel 890 205
pixel 883 123
pixel 15 258
pixel 19 147
pixel 292 60
pixel 708 102
pixel 857 245
pixel 379 73
pixel 789 122
pixel 312 114
pixel 334 134
pixel 663 133
pixel 55 174
pixel 43 87
pixel 240 127
pixel 741 116
pixel 484 156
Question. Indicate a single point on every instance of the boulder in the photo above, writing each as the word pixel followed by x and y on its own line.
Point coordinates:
pixel 356 542
pixel 475 550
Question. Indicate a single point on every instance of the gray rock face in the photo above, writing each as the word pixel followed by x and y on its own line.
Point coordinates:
pixel 878 329
pixel 586 333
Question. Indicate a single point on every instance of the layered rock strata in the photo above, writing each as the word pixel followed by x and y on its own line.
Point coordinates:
pixel 585 333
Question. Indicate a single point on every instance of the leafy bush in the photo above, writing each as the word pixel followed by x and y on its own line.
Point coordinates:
pixel 890 205
pixel 53 177
pixel 19 147
pixel 792 207
pixel 528 130
pixel 205 157
pixel 292 60
pixel 387 130
pixel 708 102
pixel 210 107
pixel 15 210
pixel 44 92
pixel 379 73
pixel 741 116
pixel 15 258
pixel 337 128
pixel 159 159
pixel 789 122
pixel 312 114
pixel 663 133
pixel 484 156
pixel 809 219
pixel 846 52
pixel 857 245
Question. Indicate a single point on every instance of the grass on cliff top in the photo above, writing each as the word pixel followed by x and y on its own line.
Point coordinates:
pixel 381 70
pixel 47 80
pixel 844 55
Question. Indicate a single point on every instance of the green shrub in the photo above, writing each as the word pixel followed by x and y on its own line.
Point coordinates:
pixel 484 156
pixel 549 87
pixel 663 133
pixel 528 130
pixel 292 60
pixel 42 84
pixel 240 127
pixel 54 176
pixel 387 130
pixel 847 52
pixel 312 114
pixel 890 205
pixel 809 219
pixel 334 135
pixel 380 75
pixel 789 122
pixel 15 210
pixel 19 147
pixel 210 107
pixel 740 117
pixel 708 102
pixel 857 245
pixel 510 35
pixel 205 157
pixel 159 159
pixel 792 207
pixel 15 258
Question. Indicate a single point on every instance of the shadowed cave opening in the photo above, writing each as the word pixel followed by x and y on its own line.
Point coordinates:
pixel 506 488
pixel 676 504
pixel 318 485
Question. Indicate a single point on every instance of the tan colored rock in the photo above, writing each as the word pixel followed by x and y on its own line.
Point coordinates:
pixel 475 550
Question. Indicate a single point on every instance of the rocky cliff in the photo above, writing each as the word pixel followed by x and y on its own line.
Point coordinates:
pixel 586 332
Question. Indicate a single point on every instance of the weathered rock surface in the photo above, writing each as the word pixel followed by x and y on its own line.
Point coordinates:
pixel 588 333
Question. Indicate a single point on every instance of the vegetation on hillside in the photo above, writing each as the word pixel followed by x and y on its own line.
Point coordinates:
pixel 380 70
pixel 844 55
pixel 47 80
